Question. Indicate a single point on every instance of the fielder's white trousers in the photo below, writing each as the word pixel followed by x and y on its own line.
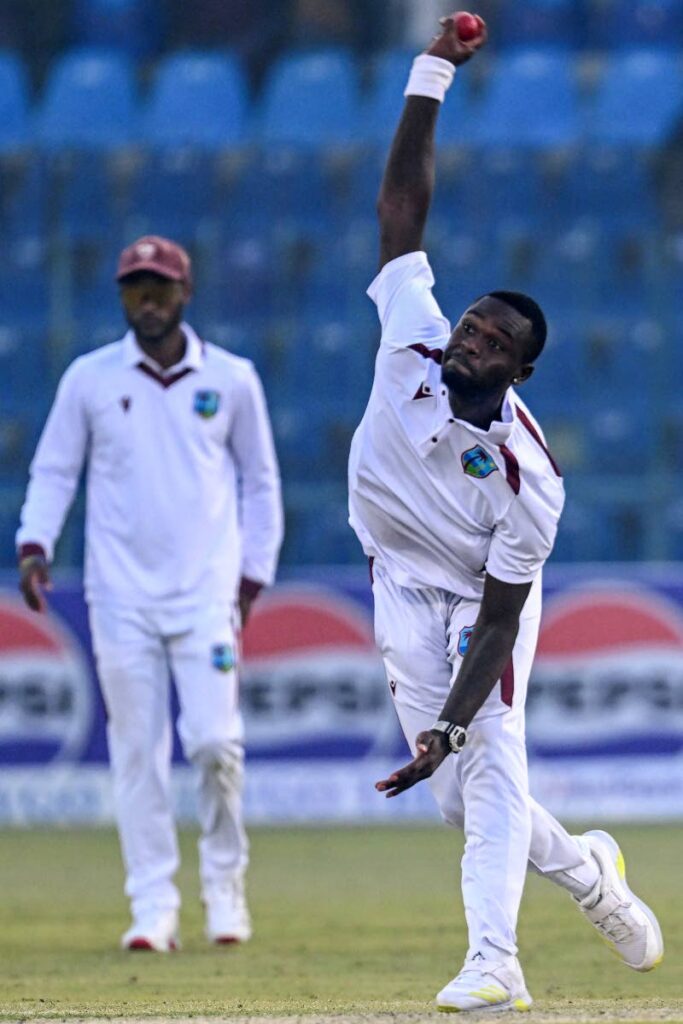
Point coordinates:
pixel 136 650
pixel 422 635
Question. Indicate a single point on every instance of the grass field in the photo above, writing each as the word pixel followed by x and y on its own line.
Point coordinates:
pixel 356 923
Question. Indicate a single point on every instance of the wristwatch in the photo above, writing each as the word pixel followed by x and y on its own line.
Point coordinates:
pixel 456 734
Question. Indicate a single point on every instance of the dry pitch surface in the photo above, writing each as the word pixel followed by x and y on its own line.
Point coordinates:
pixel 355 925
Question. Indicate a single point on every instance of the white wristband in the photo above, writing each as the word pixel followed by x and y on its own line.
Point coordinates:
pixel 430 76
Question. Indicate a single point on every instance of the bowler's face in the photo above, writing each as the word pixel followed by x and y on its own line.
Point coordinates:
pixel 153 305
pixel 487 348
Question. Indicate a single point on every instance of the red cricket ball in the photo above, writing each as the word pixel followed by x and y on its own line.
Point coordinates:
pixel 468 26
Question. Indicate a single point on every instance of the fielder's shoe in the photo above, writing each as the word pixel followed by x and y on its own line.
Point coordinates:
pixel 627 925
pixel 153 929
pixel 486 985
pixel 227 915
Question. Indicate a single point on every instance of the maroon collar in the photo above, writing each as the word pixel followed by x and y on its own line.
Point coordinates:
pixel 160 378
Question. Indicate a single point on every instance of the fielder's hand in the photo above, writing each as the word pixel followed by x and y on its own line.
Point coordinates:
pixel 432 749
pixel 34 578
pixel 450 46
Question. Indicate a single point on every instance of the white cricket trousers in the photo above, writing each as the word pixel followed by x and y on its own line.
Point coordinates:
pixel 422 635
pixel 136 650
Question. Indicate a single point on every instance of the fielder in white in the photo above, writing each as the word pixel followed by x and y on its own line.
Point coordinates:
pixel 456 499
pixel 183 528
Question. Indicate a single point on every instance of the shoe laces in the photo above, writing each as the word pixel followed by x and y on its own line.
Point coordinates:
pixel 614 926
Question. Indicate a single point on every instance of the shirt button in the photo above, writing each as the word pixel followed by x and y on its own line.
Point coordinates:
pixel 434 440
pixel 451 421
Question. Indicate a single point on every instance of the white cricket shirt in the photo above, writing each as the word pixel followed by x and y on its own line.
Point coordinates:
pixel 438 501
pixel 183 488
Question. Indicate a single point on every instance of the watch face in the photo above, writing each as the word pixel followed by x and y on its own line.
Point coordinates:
pixel 457 740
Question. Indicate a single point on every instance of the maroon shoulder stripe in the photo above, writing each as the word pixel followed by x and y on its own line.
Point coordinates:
pixel 537 438
pixel 429 353
pixel 511 468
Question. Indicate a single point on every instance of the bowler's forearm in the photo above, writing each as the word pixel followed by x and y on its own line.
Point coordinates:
pixel 408 182
pixel 487 658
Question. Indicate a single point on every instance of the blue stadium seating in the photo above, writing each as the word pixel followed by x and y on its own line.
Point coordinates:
pixel 630 23
pixel 133 26
pixel 197 99
pixel 238 281
pixel 24 287
pixel 14 104
pixel 11 500
pixel 282 189
pixel 638 100
pixel 24 199
pixel 610 183
pixel 284 240
pixel 531 101
pixel 89 102
pixel 541 23
pixel 174 192
pixel 311 99
pixel 91 206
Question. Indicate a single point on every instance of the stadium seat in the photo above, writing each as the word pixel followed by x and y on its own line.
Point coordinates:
pixel 14 104
pixel 613 185
pixel 25 198
pixel 282 189
pixel 593 530
pixel 173 193
pixel 628 23
pixel 197 99
pixel 11 500
pixel 311 99
pixel 91 201
pixel 541 23
pixel 134 26
pixel 239 282
pixel 531 101
pixel 24 286
pixel 88 102
pixel 638 100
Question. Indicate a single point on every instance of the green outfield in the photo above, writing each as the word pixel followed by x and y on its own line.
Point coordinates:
pixel 362 921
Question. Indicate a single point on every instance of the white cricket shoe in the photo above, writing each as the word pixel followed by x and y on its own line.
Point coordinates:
pixel 486 985
pixel 153 929
pixel 227 914
pixel 626 924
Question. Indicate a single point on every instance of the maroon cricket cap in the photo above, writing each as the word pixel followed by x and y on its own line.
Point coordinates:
pixel 157 254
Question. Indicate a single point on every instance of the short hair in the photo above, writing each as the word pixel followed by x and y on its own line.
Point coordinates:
pixel 531 310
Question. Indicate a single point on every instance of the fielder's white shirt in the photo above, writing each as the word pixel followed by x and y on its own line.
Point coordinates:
pixel 183 488
pixel 438 501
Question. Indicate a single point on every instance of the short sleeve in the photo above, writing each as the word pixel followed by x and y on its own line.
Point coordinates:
pixel 524 537
pixel 408 312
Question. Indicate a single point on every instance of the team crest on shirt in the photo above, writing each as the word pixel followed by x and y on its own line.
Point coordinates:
pixel 206 403
pixel 222 657
pixel 464 640
pixel 477 462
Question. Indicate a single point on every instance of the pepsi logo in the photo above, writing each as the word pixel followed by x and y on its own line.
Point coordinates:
pixel 608 675
pixel 312 682
pixel 46 703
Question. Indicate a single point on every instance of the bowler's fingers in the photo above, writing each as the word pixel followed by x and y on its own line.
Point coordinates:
pixel 32 591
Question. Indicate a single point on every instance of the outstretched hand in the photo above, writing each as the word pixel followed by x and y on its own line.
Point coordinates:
pixel 450 46
pixel 432 749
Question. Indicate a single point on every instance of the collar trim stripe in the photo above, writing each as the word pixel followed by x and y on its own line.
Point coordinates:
pixel 428 353
pixel 164 381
